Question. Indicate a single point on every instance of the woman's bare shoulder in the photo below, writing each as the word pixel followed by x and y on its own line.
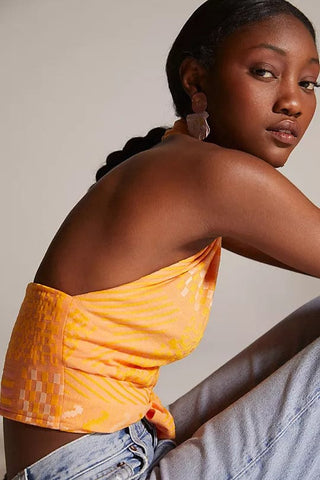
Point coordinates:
pixel 207 158
pixel 247 199
pixel 235 194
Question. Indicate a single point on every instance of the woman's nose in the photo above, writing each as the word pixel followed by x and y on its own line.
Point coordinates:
pixel 289 101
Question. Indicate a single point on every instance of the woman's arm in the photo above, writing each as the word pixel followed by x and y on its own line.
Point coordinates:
pixel 250 201
pixel 245 250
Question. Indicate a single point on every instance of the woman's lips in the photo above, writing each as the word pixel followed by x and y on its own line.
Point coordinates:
pixel 286 132
pixel 283 136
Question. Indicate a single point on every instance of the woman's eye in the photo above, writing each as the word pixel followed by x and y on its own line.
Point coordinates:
pixel 262 72
pixel 308 85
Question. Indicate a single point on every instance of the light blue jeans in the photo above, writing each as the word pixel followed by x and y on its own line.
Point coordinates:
pixel 126 454
pixel 256 418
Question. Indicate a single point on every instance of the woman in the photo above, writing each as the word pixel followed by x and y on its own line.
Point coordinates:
pixel 104 312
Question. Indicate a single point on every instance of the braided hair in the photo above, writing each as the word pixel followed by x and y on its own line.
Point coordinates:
pixel 133 146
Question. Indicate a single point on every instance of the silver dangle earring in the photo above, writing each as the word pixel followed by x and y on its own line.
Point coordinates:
pixel 197 122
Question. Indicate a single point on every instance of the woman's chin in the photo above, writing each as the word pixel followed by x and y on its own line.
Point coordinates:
pixel 276 161
pixel 276 157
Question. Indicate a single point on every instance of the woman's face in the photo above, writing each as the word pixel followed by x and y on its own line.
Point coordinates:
pixel 260 92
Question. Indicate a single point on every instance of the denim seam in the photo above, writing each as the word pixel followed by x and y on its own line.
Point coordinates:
pixel 278 436
pixel 98 464
pixel 145 467
pixel 115 470
pixel 138 439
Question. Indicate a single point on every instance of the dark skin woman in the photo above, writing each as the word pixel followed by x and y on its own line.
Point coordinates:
pixel 182 194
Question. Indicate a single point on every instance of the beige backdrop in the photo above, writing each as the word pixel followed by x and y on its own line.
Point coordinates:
pixel 78 79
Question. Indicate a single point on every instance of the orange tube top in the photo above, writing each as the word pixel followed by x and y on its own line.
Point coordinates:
pixel 88 363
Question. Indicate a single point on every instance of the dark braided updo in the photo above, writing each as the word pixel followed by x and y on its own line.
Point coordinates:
pixel 133 146
pixel 200 38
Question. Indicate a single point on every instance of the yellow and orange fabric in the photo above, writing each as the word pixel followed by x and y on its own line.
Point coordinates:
pixel 88 363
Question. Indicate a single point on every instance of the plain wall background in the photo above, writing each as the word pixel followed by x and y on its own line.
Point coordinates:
pixel 78 79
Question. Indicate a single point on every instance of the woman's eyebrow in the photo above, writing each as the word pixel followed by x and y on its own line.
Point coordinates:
pixel 281 52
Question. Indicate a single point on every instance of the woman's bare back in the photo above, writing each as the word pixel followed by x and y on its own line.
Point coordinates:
pixel 169 202
pixel 143 216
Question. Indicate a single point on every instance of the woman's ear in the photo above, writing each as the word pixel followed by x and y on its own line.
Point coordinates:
pixel 192 76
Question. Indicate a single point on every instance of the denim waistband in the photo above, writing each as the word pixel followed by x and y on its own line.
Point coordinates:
pixel 125 454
